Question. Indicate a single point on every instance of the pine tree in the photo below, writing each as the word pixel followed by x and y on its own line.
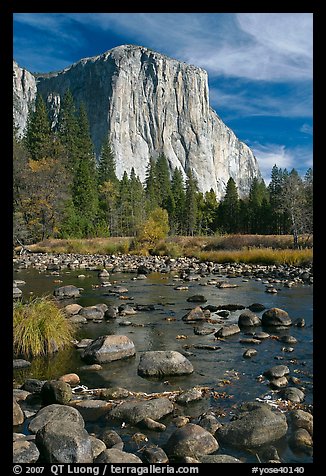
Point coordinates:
pixel 257 195
pixel 151 186
pixel 137 200
pixel 163 183
pixel 68 129
pixel 107 165
pixel 38 137
pixel 191 206
pixel 84 189
pixel 124 206
pixel 177 210
pixel 229 208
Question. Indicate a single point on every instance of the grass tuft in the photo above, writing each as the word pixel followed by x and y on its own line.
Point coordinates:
pixel 40 328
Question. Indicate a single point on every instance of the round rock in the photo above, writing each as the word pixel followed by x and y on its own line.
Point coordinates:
pixel 109 348
pixel 248 319
pixel 55 412
pixel 190 440
pixel 276 317
pixel 164 362
pixel 25 452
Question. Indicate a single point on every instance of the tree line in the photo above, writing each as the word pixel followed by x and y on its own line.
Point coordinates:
pixel 61 191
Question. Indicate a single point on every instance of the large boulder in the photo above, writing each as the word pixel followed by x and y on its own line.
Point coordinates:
pixel 55 412
pixel 135 411
pixel 164 362
pixel 276 317
pixel 190 440
pixel 256 425
pixel 64 442
pixel 109 348
pixel 66 292
pixel 248 319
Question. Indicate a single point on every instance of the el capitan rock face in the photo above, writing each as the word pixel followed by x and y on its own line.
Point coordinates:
pixel 148 103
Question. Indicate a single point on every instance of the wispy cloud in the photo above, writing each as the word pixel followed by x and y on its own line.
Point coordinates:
pixel 268 155
pixel 255 46
pixel 306 129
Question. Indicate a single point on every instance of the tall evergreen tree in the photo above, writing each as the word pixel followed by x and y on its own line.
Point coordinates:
pixel 163 182
pixel 68 129
pixel 84 190
pixel 257 195
pixel 229 208
pixel 124 206
pixel 38 137
pixel 151 185
pixel 137 200
pixel 107 165
pixel 191 206
pixel 177 210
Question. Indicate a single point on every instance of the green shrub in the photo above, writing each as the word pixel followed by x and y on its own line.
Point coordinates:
pixel 40 328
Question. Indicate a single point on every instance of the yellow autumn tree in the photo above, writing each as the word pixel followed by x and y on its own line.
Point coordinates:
pixel 155 228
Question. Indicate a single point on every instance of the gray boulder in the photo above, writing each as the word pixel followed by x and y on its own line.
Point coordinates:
pixel 64 442
pixel 277 371
pixel 293 394
pixel 91 312
pixel 164 362
pixel 276 317
pixel 256 426
pixel 134 411
pixel 190 440
pixel 109 348
pixel 197 298
pixel 248 319
pixel 227 331
pixel 196 314
pixel 55 412
pixel 65 292
pixel 25 451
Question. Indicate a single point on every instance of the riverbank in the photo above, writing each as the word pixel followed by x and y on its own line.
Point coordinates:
pixel 261 249
pixel 182 310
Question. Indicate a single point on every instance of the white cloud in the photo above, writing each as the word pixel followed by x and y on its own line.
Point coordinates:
pixel 268 155
pixel 297 103
pixel 255 46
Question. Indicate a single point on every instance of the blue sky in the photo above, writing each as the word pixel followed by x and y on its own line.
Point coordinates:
pixel 259 65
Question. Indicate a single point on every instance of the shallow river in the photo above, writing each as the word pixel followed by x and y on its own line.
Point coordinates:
pixel 224 370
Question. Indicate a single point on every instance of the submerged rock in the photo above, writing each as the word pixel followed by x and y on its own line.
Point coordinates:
pixel 65 292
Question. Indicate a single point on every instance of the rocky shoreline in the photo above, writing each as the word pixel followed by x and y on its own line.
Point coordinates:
pixel 56 412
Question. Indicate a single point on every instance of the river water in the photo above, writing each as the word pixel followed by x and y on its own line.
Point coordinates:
pixel 234 378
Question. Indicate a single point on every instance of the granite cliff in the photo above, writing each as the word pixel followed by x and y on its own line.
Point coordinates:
pixel 148 103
